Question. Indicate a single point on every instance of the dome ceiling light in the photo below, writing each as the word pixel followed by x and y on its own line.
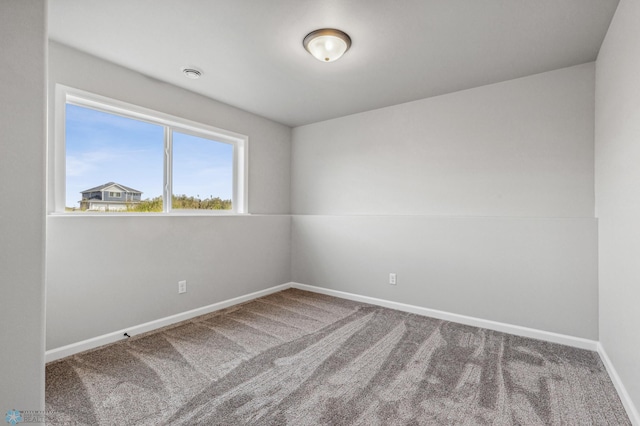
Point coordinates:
pixel 327 44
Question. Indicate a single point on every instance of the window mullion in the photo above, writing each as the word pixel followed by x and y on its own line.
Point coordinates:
pixel 168 167
pixel 235 201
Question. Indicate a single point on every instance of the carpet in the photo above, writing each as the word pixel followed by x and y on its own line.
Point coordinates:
pixel 300 358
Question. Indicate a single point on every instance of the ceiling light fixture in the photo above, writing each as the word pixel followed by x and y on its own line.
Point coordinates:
pixel 327 44
pixel 192 73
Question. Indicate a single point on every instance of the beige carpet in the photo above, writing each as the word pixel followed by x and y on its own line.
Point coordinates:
pixel 300 358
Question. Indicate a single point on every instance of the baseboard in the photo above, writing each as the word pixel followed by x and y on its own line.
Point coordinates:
pixel 632 411
pixel 532 333
pixel 74 348
pixel 58 353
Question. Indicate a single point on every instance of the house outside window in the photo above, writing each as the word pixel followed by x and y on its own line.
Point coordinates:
pixel 103 198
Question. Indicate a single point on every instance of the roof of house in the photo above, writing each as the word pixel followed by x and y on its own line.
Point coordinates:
pixel 108 184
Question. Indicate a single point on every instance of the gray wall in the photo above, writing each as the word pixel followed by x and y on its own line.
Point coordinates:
pixel 22 150
pixel 220 257
pixel 519 148
pixel 618 193
pixel 483 203
pixel 535 273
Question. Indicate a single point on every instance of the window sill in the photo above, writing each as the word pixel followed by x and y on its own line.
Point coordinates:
pixel 172 214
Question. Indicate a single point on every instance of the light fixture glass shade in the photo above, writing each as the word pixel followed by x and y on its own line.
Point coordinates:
pixel 327 44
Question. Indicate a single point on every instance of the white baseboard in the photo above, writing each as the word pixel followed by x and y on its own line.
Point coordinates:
pixel 563 339
pixel 632 411
pixel 532 333
pixel 64 351
pixel 578 342
pixel 74 348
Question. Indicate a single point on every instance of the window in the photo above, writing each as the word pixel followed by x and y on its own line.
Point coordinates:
pixel 116 157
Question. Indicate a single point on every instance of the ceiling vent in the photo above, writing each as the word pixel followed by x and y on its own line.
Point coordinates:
pixel 192 73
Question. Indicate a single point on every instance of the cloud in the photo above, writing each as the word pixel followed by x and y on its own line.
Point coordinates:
pixel 86 162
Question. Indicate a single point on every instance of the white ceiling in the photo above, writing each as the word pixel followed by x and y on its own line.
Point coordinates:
pixel 251 53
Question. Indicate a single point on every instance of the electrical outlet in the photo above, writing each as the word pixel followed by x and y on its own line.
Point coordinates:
pixel 182 286
pixel 392 279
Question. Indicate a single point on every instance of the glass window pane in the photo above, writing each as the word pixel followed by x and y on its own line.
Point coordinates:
pixel 202 173
pixel 113 163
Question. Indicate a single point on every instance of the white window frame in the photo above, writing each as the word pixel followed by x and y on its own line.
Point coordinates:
pixel 68 95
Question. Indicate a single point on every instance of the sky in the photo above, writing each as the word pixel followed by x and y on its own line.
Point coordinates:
pixel 103 147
